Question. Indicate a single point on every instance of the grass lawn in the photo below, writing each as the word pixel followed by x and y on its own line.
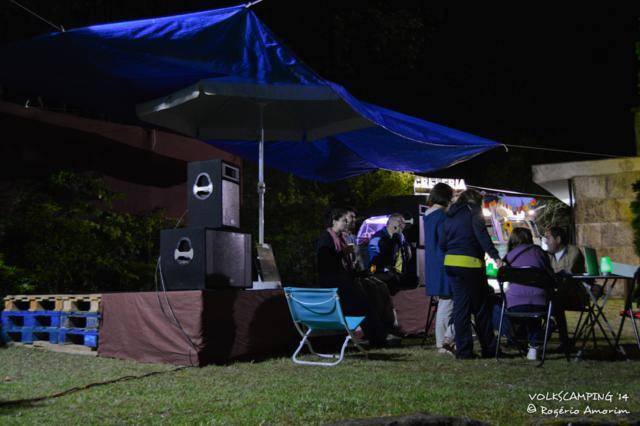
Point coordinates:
pixel 392 382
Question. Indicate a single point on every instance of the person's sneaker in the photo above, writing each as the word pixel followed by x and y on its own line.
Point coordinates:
pixel 393 341
pixel 449 346
pixel 532 355
pixel 445 351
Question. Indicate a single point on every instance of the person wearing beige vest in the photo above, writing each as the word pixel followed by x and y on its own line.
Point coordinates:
pixel 563 256
pixel 565 259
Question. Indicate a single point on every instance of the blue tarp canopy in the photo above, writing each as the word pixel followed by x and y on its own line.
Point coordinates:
pixel 111 68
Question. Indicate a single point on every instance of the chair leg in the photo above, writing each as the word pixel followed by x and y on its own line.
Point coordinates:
pixel 305 341
pixel 431 313
pixel 578 324
pixel 627 311
pixel 500 331
pixel 313 351
pixel 635 328
pixel 546 334
pixel 624 316
pixel 567 350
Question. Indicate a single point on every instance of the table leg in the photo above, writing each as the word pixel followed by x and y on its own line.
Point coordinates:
pixel 600 313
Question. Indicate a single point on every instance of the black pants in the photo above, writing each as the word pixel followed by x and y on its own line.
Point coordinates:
pixel 371 299
pixel 397 282
pixel 571 296
pixel 532 326
pixel 471 296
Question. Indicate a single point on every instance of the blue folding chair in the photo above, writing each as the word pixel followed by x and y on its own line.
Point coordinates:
pixel 317 311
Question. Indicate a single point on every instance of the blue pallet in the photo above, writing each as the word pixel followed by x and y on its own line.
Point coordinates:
pixel 13 319
pixel 31 334
pixel 79 337
pixel 82 320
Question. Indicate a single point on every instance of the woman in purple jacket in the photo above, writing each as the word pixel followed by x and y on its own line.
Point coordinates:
pixel 520 298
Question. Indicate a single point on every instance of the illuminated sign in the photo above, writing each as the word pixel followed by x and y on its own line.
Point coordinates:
pixel 422 184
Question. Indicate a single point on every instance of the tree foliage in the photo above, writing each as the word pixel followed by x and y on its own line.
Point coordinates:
pixel 554 213
pixel 295 211
pixel 61 235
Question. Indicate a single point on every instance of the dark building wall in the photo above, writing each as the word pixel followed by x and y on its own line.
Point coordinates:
pixel 148 166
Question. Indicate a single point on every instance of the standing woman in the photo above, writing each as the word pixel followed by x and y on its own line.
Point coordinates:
pixel 436 277
pixel 464 242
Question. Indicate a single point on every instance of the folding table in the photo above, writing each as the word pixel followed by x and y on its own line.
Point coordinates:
pixel 595 311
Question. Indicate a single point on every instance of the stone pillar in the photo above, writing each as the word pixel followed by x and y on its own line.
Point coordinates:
pixel 603 214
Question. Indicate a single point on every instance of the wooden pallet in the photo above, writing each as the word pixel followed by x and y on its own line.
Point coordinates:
pixel 67 349
pixel 33 302
pixel 81 303
pixel 53 302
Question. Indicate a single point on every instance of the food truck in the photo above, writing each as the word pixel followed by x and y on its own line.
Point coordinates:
pixel 502 210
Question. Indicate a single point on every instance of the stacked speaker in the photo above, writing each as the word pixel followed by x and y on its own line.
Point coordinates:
pixel 209 253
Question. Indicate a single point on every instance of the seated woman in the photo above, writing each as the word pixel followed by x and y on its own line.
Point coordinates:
pixel 520 298
pixel 335 269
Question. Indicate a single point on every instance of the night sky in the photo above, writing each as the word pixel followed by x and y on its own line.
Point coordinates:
pixel 551 77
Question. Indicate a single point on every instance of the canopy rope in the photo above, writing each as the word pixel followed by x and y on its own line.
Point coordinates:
pixel 57 27
pixel 251 3
pixel 567 151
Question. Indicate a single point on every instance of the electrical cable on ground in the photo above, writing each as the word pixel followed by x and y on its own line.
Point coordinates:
pixel 175 321
pixel 29 401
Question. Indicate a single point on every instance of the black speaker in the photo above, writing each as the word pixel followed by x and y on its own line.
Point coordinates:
pixel 202 258
pixel 213 194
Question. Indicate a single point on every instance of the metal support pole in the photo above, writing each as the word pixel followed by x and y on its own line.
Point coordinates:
pixel 261 185
pixel 572 213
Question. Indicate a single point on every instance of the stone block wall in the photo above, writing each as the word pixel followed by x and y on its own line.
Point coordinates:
pixel 603 215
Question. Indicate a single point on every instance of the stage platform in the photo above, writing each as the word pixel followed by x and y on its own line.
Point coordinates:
pixel 215 326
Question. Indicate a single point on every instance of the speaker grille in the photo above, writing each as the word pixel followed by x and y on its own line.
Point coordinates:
pixel 230 204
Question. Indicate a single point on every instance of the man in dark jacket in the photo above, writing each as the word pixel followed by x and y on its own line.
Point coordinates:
pixel 464 243
pixel 389 254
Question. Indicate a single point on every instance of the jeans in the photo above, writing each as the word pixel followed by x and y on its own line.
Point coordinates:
pixel 444 323
pixel 533 326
